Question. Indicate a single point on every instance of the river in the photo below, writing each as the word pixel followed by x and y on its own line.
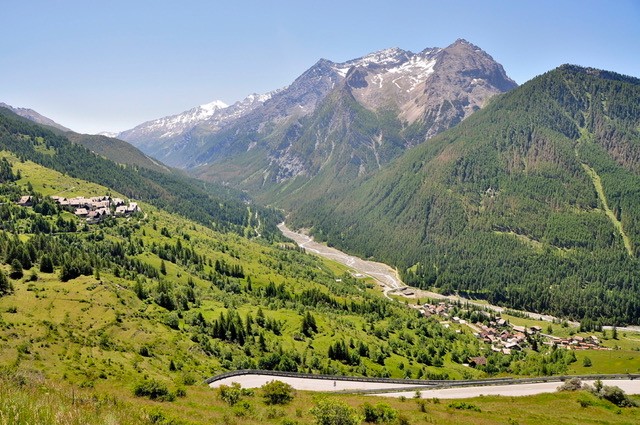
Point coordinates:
pixel 389 279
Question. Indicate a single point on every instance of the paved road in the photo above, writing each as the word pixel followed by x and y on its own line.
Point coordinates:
pixel 307 384
pixel 395 390
pixel 629 386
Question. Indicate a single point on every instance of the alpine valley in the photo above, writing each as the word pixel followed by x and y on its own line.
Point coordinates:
pixel 133 268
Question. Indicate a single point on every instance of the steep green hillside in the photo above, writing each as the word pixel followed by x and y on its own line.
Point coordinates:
pixel 503 205
pixel 206 203
pixel 190 296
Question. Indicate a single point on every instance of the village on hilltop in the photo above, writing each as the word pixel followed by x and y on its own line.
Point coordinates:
pixel 93 209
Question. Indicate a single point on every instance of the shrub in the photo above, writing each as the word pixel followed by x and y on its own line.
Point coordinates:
pixel 277 392
pixel 573 384
pixel 242 409
pixel 333 412
pixel 274 413
pixel 154 390
pixel 230 394
pixel 144 351
pixel 378 414
pixel 461 405
pixel 616 396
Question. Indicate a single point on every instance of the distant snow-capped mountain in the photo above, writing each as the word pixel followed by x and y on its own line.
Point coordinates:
pixel 160 137
pixel 341 120
pixel 112 134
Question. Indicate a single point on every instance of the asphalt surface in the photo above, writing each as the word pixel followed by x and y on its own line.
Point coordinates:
pixel 395 390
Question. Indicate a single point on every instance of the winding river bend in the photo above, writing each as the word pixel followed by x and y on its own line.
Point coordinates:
pixel 382 273
pixel 389 279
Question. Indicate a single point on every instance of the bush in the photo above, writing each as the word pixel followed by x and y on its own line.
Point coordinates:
pixel 277 392
pixel 333 412
pixel 231 394
pixel 616 396
pixel 154 390
pixel 242 409
pixel 461 405
pixel 378 414
pixel 274 413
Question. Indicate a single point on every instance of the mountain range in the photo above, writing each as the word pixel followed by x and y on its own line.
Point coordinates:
pixel 438 164
pixel 337 119
pixel 34 116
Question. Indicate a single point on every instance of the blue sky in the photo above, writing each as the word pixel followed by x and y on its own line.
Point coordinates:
pixel 110 65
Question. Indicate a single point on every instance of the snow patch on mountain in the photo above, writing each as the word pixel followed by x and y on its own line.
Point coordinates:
pixel 383 58
pixel 112 134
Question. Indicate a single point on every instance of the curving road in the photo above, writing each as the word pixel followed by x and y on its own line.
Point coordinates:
pixel 382 389
pixel 515 390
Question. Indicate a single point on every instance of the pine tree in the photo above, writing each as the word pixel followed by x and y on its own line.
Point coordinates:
pixel 16 269
pixel 5 285
pixel 46 265
pixel 309 326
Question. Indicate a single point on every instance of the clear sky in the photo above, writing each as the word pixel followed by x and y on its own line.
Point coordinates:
pixel 110 65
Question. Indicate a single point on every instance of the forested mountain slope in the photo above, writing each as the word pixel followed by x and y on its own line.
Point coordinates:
pixel 528 202
pixel 117 151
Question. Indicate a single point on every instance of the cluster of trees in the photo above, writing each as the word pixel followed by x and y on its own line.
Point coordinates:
pixel 340 351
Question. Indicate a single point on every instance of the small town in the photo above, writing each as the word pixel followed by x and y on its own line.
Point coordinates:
pixel 93 209
pixel 505 337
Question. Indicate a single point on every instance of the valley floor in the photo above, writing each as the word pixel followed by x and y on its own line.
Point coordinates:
pixel 390 281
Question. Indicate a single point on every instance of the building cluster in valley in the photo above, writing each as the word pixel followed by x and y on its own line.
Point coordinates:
pixel 93 209
pixel 505 337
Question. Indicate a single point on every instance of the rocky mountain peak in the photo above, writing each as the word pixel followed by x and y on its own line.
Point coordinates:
pixel 435 89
